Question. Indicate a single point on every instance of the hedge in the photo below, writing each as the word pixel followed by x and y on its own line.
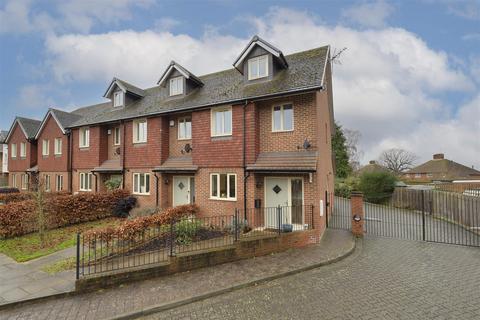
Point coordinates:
pixel 129 229
pixel 17 197
pixel 19 218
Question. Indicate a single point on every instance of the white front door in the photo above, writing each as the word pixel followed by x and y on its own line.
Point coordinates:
pixel 287 193
pixel 182 190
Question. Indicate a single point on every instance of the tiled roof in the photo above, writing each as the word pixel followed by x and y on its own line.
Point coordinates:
pixel 305 72
pixel 177 164
pixel 65 118
pixel 130 87
pixel 301 161
pixel 112 165
pixel 30 126
pixel 450 169
pixel 3 136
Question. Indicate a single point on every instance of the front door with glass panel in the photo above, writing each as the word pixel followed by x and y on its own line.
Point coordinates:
pixel 288 194
pixel 183 189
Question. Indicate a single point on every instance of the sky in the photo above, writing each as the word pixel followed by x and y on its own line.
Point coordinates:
pixel 409 77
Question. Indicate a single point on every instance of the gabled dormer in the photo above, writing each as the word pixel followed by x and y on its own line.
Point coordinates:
pixel 260 61
pixel 122 93
pixel 178 81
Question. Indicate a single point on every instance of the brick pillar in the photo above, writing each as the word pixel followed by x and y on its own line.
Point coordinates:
pixel 356 200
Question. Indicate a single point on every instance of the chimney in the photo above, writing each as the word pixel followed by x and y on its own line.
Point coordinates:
pixel 438 156
pixel 372 162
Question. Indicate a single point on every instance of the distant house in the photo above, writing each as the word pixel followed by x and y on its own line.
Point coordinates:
pixel 372 166
pixel 440 169
pixel 3 159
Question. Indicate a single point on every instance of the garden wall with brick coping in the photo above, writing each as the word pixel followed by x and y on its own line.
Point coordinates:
pixel 243 249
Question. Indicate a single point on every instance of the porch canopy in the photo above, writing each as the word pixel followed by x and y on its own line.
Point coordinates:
pixel 109 166
pixel 33 169
pixel 177 165
pixel 285 162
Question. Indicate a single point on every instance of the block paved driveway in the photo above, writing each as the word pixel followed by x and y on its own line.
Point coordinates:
pixel 384 279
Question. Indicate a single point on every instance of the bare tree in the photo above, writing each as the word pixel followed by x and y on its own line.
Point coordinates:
pixel 398 160
pixel 352 137
pixel 39 194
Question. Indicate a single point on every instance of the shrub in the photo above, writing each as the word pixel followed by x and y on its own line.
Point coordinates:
pixel 377 187
pixel 7 198
pixel 130 228
pixel 18 218
pixel 6 190
pixel 344 187
pixel 186 229
pixel 123 206
pixel 113 183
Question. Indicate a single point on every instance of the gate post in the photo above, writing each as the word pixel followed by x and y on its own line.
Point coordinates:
pixel 423 215
pixel 356 200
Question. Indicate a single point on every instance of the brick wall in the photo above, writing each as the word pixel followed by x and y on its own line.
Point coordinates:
pixel 143 200
pixel 304 118
pixel 52 162
pixel 53 179
pixel 144 155
pixel 86 158
pixel 21 164
pixel 175 145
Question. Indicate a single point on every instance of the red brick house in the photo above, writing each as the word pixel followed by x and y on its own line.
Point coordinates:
pixel 22 148
pixel 256 135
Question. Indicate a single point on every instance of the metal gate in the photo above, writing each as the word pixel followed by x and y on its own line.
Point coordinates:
pixel 425 215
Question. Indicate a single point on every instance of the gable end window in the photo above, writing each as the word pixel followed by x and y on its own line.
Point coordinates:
pixel 58 146
pixel 184 128
pixel 221 121
pixel 116 136
pixel 223 186
pixel 45 147
pixel 13 148
pixel 118 99
pixel 140 131
pixel 176 86
pixel 282 117
pixel 84 137
pixel 23 150
pixel 258 67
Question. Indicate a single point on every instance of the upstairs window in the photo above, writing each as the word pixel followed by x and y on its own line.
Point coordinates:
pixel 13 148
pixel 222 121
pixel 118 99
pixel 23 150
pixel 176 86
pixel 58 146
pixel 184 128
pixel 258 67
pixel 116 136
pixel 84 137
pixel 282 118
pixel 140 131
pixel 45 147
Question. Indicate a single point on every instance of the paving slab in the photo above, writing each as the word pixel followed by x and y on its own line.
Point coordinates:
pixel 150 295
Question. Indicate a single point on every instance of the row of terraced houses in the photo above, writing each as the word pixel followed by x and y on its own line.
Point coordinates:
pixel 256 135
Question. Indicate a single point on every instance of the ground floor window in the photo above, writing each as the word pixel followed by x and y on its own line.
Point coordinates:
pixel 59 183
pixel 223 186
pixel 14 180
pixel 141 183
pixel 47 183
pixel 85 181
pixel 24 182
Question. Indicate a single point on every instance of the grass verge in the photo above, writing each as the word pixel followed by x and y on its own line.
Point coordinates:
pixel 28 247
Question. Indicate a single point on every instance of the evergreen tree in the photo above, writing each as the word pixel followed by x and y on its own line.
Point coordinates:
pixel 340 150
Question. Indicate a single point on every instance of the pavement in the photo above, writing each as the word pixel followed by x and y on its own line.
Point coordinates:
pixel 149 296
pixel 25 281
pixel 384 278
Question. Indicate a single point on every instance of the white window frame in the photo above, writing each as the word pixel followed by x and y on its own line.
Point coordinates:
pixel 418 175
pixel 175 90
pixel 217 196
pixel 84 137
pixel 85 181
pixel 13 151
pixel 58 146
pixel 118 99
pixel 137 188
pixel 23 149
pixel 45 147
pixel 429 175
pixel 136 131
pixel 213 111
pixel 116 136
pixel 14 180
pixel 257 60
pixel 24 185
pixel 282 117
pixel 184 120
pixel 48 183
pixel 59 183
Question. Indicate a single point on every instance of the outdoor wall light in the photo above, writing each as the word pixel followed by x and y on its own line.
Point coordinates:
pixel 357 218
pixel 165 181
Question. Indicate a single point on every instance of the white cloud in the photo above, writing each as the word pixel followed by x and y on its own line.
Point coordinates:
pixel 166 24
pixel 467 9
pixel 14 17
pixel 471 36
pixel 390 85
pixel 369 14
pixel 35 96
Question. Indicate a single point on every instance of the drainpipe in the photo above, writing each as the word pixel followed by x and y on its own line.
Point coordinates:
pixel 123 153
pixel 96 181
pixel 156 187
pixel 69 160
pixel 245 174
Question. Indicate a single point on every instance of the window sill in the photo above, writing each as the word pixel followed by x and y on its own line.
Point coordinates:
pixel 58 155
pixel 184 139
pixel 223 199
pixel 85 190
pixel 140 194
pixel 140 143
pixel 280 131
pixel 84 148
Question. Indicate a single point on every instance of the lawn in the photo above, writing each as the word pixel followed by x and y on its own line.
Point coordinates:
pixel 28 247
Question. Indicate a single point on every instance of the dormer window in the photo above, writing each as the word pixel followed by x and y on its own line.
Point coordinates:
pixel 176 86
pixel 118 99
pixel 258 67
